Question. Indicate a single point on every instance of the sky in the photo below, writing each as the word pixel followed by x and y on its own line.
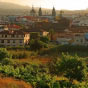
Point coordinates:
pixel 58 4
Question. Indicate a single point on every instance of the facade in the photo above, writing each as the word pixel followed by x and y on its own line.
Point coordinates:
pixel 14 38
pixel 80 21
pixel 2 28
pixel 81 39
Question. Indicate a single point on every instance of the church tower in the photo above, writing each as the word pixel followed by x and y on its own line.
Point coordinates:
pixel 53 12
pixel 40 12
pixel 33 12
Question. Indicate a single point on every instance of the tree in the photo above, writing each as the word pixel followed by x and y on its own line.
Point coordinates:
pixel 56 85
pixel 4 54
pixel 71 67
pixel 44 39
pixel 34 35
pixel 36 45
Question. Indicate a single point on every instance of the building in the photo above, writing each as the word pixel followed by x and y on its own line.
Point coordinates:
pixel 32 12
pixel 3 27
pixel 14 38
pixel 13 27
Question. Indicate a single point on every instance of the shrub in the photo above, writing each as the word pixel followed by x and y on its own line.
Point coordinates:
pixel 71 67
pixel 36 45
pixel 4 54
pixel 44 39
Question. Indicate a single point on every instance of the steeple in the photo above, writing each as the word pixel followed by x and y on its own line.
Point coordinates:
pixel 40 12
pixel 32 12
pixel 53 12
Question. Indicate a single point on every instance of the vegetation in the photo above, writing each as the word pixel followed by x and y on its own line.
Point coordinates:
pixel 73 68
pixel 36 45
pixel 44 39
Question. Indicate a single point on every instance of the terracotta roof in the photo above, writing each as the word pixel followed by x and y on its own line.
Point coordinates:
pixel 13 26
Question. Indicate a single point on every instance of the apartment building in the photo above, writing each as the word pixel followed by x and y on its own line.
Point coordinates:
pixel 14 38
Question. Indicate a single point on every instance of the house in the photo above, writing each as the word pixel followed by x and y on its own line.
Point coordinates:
pixel 81 39
pixel 80 35
pixel 13 27
pixel 41 32
pixel 3 27
pixel 14 38
pixel 64 38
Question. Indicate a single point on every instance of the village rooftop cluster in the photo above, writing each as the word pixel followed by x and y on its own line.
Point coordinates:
pixel 71 29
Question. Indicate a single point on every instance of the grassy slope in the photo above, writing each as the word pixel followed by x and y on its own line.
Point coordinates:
pixel 12 83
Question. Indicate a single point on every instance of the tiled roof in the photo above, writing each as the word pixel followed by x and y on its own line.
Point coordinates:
pixel 13 26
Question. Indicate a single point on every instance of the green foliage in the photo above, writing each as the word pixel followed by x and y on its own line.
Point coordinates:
pixel 44 39
pixel 4 54
pixel 36 45
pixel 57 50
pixel 56 85
pixel 42 84
pixel 34 35
pixel 71 67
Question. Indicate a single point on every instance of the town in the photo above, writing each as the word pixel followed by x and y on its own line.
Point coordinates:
pixel 71 29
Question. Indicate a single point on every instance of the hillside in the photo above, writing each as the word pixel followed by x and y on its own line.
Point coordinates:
pixel 5 5
pixel 15 9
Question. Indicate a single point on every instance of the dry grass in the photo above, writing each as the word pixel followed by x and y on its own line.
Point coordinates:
pixel 11 83
pixel 34 60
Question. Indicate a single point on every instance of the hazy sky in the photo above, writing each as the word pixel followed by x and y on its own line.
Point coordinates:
pixel 58 4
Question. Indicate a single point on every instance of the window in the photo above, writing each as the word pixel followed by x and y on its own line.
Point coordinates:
pixel 13 35
pixel 5 36
pixel 2 36
pixel 20 41
pixel 17 36
pixel 8 41
pixel 2 41
pixel 13 41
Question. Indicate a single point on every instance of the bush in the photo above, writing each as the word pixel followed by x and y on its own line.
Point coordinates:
pixel 71 67
pixel 44 39
pixel 36 45
pixel 4 54
pixel 42 84
pixel 56 85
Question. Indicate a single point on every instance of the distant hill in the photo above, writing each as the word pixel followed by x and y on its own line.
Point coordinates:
pixel 15 9
pixel 5 5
